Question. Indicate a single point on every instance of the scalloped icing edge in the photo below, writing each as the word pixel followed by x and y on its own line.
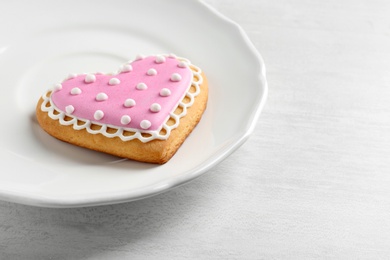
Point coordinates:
pixel 142 135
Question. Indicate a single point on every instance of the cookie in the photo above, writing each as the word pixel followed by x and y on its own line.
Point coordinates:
pixel 143 112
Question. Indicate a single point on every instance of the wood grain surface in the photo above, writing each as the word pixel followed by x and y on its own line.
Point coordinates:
pixel 312 182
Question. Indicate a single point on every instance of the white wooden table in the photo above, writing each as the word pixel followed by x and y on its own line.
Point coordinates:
pixel 312 182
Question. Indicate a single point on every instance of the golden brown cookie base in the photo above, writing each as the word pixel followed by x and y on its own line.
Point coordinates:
pixel 156 151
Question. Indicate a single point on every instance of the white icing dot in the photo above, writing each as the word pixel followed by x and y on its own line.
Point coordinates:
pixel 141 86
pixel 69 109
pixel 89 78
pixel 101 96
pixel 145 124
pixel 57 87
pixel 172 56
pixel 71 76
pixel 165 92
pixel 139 57
pixel 175 77
pixel 114 81
pixel 126 68
pixel 152 72
pixel 125 119
pixel 98 115
pixel 155 107
pixel 182 64
pixel 75 91
pixel 129 102
pixel 160 59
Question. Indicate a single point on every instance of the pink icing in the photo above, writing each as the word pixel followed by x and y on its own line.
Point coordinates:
pixel 150 104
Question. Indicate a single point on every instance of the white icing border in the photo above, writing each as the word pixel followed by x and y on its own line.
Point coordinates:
pixel 56 114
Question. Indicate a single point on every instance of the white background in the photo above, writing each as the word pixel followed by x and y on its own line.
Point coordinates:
pixel 312 182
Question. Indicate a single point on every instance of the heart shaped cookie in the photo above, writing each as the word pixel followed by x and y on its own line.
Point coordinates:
pixel 143 112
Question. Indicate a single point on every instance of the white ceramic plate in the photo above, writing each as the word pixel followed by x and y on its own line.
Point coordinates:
pixel 42 41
